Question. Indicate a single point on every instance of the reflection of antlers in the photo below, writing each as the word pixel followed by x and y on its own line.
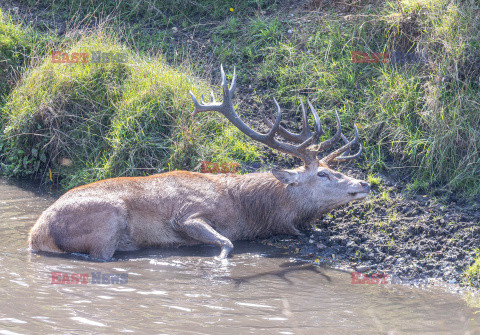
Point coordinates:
pixel 279 273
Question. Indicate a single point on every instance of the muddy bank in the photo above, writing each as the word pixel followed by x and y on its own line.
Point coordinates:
pixel 412 238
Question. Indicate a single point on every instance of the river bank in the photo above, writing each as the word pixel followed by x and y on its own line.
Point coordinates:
pixel 412 238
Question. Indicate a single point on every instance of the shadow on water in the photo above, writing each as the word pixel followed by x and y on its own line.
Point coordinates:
pixel 285 268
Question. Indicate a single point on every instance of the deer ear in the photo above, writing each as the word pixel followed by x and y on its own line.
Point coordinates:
pixel 286 177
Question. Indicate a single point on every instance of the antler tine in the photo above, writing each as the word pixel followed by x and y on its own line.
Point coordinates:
pixel 224 82
pixel 345 140
pixel 304 117
pixel 213 105
pixel 343 158
pixel 224 77
pixel 296 138
pixel 317 127
pixel 276 125
pixel 200 107
pixel 233 85
pixel 328 143
pixel 334 155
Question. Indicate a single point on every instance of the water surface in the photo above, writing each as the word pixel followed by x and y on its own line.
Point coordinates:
pixel 260 290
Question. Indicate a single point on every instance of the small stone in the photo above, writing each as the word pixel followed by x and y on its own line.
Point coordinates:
pixel 290 31
pixel 362 268
pixel 174 30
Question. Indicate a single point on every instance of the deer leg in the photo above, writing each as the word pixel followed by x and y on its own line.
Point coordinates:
pixel 104 252
pixel 200 230
pixel 107 236
pixel 94 226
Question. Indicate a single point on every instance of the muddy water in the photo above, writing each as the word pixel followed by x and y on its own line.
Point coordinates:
pixel 261 290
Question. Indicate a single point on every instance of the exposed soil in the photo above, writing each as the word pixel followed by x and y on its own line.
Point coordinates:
pixel 413 238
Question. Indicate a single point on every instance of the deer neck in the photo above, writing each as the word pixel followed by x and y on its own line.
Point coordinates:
pixel 267 206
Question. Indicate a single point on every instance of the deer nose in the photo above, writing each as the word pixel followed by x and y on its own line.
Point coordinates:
pixel 365 185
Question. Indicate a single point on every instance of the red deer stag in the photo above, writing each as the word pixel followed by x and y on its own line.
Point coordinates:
pixel 188 208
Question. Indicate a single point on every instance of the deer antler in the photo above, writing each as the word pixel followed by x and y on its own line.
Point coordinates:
pixel 335 157
pixel 305 147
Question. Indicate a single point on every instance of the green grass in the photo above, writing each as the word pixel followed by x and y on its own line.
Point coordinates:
pixel 472 273
pixel 16 45
pixel 112 119
pixel 420 118
pixel 374 180
pixel 156 13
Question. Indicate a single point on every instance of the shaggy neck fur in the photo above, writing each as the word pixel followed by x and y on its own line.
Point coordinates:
pixel 268 206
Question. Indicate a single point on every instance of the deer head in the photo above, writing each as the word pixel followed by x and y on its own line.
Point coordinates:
pixel 315 179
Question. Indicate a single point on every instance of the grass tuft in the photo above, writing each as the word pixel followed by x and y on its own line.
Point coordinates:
pixel 472 273
pixel 77 123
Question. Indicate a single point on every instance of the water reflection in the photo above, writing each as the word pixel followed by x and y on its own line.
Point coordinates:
pixel 188 291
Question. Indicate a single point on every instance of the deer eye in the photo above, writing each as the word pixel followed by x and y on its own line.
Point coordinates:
pixel 322 174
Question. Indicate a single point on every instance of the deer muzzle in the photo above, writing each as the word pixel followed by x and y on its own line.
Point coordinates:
pixel 362 189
